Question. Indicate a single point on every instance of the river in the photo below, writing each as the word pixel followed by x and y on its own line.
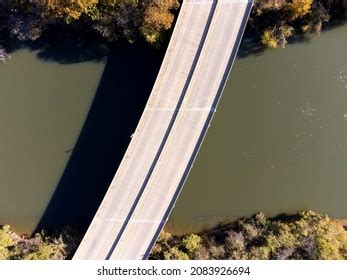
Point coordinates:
pixel 276 144
pixel 66 117
pixel 278 141
pixel 42 109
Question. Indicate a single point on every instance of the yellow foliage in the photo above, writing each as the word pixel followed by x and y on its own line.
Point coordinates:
pixel 277 36
pixel 175 254
pixel 268 39
pixel 307 235
pixel 44 252
pixel 192 243
pixel 69 10
pixel 259 253
pixel 158 17
pixel 151 35
pixel 327 250
pixel 305 28
pixel 164 236
pixel 6 241
pixel 299 8
pixel 330 237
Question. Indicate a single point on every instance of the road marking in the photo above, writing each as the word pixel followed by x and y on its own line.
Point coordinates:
pixel 142 221
pixel 205 109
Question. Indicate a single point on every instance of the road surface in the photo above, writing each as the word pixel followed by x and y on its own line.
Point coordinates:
pixel 172 81
pixel 175 120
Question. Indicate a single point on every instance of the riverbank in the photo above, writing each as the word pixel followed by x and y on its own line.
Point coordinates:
pixel 272 23
pixel 104 22
pixel 59 245
pixel 342 222
pixel 306 235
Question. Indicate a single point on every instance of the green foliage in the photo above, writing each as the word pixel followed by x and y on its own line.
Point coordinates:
pixel 192 243
pixel 306 235
pixel 277 36
pixel 150 33
pixel 38 247
pixel 175 254
pixel 7 240
pixel 275 21
pixel 271 21
pixel 281 238
pixel 268 39
pixel 259 253
pixel 43 251
pixel 330 239
pixel 112 19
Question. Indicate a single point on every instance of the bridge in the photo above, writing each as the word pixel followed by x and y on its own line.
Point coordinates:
pixel 192 77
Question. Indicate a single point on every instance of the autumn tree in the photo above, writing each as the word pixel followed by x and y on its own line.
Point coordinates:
pixel 157 18
pixel 277 36
pixel 306 235
pixel 299 8
pixel 68 10
pixel 118 18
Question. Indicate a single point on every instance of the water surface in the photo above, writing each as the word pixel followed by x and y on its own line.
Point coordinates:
pixel 43 106
pixel 278 142
pixel 65 124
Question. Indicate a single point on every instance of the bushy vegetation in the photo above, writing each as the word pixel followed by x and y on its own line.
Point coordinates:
pixel 26 19
pixel 273 22
pixel 307 235
pixel 38 247
pixel 276 21
pixel 105 20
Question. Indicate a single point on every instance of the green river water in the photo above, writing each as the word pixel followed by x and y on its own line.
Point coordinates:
pixel 66 117
pixel 278 142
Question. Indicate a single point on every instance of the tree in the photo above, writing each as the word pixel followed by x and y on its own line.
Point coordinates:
pixel 25 26
pixel 277 36
pixel 299 8
pixel 7 240
pixel 68 10
pixel 157 17
pixel 306 235
pixel 192 243
pixel 175 254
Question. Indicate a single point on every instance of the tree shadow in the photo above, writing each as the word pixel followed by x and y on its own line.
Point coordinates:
pixel 64 44
pixel 75 43
pixel 124 88
pixel 119 101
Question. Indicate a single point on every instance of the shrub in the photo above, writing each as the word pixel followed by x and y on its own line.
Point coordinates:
pixel 191 243
pixel 38 247
pixel 7 240
pixel 277 36
pixel 175 254
pixel 306 235
pixel 299 8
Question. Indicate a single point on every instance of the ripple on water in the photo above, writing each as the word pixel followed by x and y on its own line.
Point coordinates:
pixel 341 76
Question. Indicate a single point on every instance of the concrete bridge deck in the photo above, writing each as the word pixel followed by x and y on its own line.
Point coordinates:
pixel 190 82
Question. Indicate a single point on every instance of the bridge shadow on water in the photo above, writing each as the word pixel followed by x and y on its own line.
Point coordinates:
pixel 123 90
